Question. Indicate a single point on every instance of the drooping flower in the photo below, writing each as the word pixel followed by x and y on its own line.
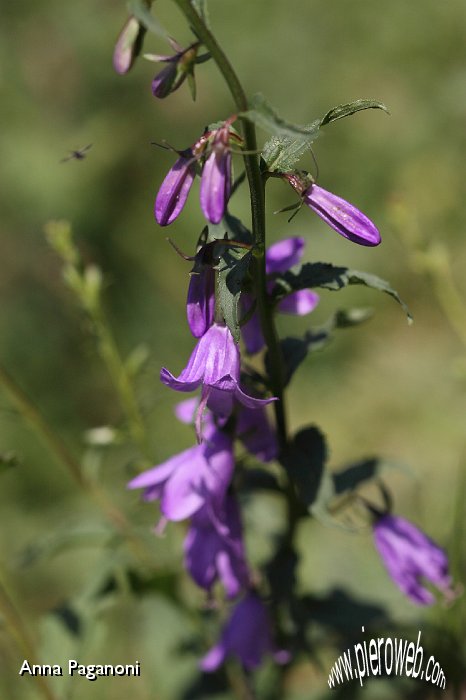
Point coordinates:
pixel 215 365
pixel 179 67
pixel 216 177
pixel 279 258
pixel 174 190
pixel 247 636
pixel 195 478
pixel 256 433
pixel 214 549
pixel 411 558
pixel 342 216
pixel 128 45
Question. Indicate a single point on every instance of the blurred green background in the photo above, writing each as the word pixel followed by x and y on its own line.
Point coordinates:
pixel 384 388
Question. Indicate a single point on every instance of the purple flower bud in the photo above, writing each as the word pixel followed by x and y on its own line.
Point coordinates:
pixel 163 83
pixel 215 365
pixel 216 185
pixel 192 479
pixel 247 636
pixel 174 190
pixel 216 178
pixel 214 549
pixel 342 216
pixel 201 300
pixel 409 557
pixel 180 66
pixel 128 45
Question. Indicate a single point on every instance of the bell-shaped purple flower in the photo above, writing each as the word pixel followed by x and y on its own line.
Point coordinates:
pixel 246 636
pixel 256 433
pixel 215 365
pixel 175 188
pixel 216 177
pixel 193 479
pixel 200 306
pixel 279 258
pixel 214 549
pixel 410 558
pixel 342 216
pixel 128 45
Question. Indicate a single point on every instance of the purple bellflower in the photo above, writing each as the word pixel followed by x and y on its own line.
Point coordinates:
pixel 247 636
pixel 174 190
pixel 195 478
pixel 279 258
pixel 214 549
pixel 214 364
pixel 128 45
pixel 409 557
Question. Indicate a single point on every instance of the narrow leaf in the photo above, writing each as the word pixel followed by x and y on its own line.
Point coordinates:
pixel 350 108
pixel 327 276
pixel 262 113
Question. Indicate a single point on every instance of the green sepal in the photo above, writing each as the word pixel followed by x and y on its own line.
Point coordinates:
pixel 141 10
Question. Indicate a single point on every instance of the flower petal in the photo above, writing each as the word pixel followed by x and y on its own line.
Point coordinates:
pixel 299 303
pixel 284 254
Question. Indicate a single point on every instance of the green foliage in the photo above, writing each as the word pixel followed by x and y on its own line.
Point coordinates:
pixel 284 149
pixel 141 10
pixel 232 270
pixel 333 278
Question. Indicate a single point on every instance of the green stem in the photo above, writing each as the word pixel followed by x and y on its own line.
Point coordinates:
pixel 58 449
pixel 256 187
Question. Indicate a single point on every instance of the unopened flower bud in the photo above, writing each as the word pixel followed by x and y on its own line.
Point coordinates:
pixel 128 45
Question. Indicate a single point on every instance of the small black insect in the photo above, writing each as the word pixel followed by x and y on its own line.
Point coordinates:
pixel 78 154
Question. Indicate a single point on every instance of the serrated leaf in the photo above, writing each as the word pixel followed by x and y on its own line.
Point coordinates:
pixel 304 461
pixel 141 10
pixel 281 153
pixel 327 276
pixel 262 114
pixel 295 350
pixel 346 110
pixel 232 269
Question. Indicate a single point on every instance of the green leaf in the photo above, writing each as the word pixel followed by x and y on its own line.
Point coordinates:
pixel 280 153
pixel 284 149
pixel 295 350
pixel 304 461
pixel 232 269
pixel 327 276
pixel 350 108
pixel 262 114
pixel 141 10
